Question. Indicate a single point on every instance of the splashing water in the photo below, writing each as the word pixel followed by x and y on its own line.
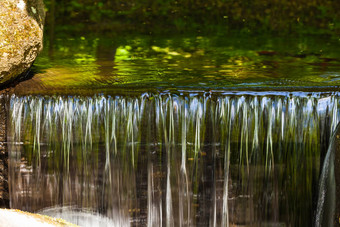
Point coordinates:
pixel 174 160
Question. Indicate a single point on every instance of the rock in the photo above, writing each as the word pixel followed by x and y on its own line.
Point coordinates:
pixel 4 193
pixel 17 218
pixel 21 35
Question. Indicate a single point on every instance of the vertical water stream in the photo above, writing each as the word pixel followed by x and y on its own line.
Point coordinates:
pixel 173 160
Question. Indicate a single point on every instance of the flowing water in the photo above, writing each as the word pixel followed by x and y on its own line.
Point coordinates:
pixel 325 213
pixel 190 158
pixel 175 131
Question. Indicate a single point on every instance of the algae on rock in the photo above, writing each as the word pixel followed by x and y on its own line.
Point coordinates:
pixel 21 35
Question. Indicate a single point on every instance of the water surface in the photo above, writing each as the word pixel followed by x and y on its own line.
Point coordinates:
pixel 97 65
pixel 179 131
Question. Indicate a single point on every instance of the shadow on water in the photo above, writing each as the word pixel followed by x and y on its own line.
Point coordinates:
pixel 246 158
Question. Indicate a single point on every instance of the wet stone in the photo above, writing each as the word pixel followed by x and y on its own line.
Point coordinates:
pixel 4 196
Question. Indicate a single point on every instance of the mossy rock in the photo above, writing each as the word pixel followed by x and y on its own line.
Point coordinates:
pixel 21 36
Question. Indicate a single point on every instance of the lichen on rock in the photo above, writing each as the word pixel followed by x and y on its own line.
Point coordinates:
pixel 21 35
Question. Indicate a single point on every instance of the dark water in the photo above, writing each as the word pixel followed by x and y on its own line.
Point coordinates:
pixel 181 131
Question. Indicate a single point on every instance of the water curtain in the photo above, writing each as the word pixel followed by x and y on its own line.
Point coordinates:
pixel 176 159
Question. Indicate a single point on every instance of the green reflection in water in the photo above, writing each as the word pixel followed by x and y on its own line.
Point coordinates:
pixel 100 64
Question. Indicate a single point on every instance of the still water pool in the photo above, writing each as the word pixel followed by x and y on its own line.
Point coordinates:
pixel 183 131
pixel 144 63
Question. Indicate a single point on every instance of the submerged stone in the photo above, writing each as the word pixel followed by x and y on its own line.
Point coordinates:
pixel 21 34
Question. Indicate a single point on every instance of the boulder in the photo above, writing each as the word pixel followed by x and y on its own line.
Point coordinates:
pixel 21 36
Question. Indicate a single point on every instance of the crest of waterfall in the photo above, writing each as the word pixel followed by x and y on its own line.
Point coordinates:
pixel 107 153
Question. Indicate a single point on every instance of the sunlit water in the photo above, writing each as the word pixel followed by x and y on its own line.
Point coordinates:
pixel 185 159
pixel 95 65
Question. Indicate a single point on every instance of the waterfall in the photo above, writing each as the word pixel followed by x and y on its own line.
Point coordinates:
pixel 326 198
pixel 172 159
pixel 327 213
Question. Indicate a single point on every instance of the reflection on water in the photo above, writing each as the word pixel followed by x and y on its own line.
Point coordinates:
pixel 98 64
pixel 176 160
